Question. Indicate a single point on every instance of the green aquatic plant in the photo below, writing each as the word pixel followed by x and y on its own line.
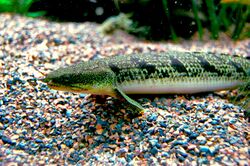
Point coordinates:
pixel 19 6
pixel 166 9
pixel 150 19
pixel 213 18
pixel 197 19
pixel 235 22
pixel 244 2
pixel 229 16
pixel 242 16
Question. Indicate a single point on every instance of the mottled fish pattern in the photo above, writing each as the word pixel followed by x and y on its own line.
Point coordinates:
pixel 168 72
pixel 179 66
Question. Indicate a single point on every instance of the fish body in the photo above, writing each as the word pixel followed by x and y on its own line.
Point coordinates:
pixel 178 72
pixel 153 73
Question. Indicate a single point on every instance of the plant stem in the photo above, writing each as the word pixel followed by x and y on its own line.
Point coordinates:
pixel 166 9
pixel 198 21
pixel 213 18
pixel 223 16
pixel 240 20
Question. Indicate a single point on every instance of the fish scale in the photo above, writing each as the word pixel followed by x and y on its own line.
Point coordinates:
pixel 161 64
pixel 171 72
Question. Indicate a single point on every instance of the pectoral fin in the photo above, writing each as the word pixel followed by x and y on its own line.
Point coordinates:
pixel 134 106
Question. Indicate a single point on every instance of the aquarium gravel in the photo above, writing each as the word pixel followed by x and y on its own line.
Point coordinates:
pixel 42 126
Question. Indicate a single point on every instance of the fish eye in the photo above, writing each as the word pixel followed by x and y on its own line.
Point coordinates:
pixel 66 78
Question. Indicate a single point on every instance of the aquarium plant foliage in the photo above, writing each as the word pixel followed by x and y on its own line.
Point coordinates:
pixel 156 20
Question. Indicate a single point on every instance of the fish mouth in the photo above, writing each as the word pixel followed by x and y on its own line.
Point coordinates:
pixel 49 82
pixel 59 87
pixel 54 86
pixel 45 80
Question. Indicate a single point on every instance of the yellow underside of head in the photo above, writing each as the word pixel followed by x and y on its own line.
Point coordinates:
pixel 89 90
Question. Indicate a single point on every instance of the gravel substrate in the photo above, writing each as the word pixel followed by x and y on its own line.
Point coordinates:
pixel 43 126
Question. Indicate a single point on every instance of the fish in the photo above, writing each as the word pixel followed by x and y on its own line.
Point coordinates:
pixel 171 72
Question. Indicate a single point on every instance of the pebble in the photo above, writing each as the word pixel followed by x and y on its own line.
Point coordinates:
pixel 202 140
pixel 152 117
pixel 234 140
pixel 154 151
pixel 232 121
pixel 182 152
pixel 180 142
pixel 122 151
pixel 214 122
pixel 39 140
pixel 68 113
pixel 41 126
pixel 82 95
pixel 193 135
pixel 7 140
pixel 69 142
pixel 165 154
pixel 163 124
pixel 153 142
pixel 205 149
